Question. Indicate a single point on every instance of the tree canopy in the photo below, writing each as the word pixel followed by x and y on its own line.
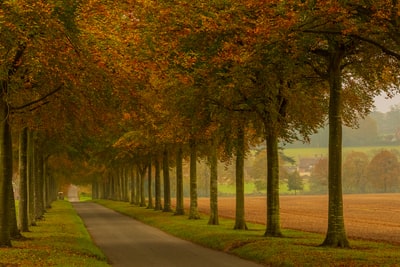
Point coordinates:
pixel 107 82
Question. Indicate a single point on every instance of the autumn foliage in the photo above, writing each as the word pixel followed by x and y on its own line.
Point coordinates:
pixel 117 84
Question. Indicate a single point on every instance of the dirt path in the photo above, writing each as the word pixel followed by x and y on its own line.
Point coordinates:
pixel 371 217
pixel 127 242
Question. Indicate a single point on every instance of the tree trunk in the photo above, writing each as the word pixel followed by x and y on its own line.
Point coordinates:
pixel 23 220
pixel 138 186
pixel 273 215
pixel 193 211
pixel 149 187
pixel 5 180
pixel 240 222
pixel 8 172
pixel 167 186
pixel 31 178
pixel 142 184
pixel 39 182
pixel 157 185
pixel 132 187
pixel 179 183
pixel 213 161
pixel 336 234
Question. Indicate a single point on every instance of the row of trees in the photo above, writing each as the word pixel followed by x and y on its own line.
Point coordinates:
pixel 235 73
pixel 44 79
pixel 127 83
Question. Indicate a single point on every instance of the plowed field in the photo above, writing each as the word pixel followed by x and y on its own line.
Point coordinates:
pixel 370 217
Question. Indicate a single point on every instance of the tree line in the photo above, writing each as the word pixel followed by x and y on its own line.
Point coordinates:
pixel 380 174
pixel 113 87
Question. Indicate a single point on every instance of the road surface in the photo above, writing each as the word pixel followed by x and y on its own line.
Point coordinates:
pixel 127 242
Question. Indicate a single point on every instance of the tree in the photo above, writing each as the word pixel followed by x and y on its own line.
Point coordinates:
pixel 319 176
pixel 157 185
pixel 166 181
pixel 213 162
pixel 340 52
pixel 354 172
pixel 383 173
pixel 295 182
pixel 240 221
pixel 23 218
pixel 193 209
pixel 149 186
pixel 179 183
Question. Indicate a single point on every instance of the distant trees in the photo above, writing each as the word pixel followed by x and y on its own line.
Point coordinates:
pixel 319 176
pixel 354 172
pixel 295 182
pixel 383 173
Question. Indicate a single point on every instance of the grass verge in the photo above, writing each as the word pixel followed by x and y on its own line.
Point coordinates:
pixel 296 248
pixel 60 239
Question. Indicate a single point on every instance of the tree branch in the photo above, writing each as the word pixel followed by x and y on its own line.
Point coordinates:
pixel 384 49
pixel 17 58
pixel 38 100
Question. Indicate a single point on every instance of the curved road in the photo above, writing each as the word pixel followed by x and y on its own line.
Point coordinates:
pixel 127 242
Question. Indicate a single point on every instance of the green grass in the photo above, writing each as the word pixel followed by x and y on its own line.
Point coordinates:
pixel 250 189
pixel 311 152
pixel 230 189
pixel 296 248
pixel 60 239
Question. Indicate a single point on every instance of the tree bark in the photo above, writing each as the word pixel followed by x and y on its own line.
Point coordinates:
pixel 167 186
pixel 31 178
pixel 213 161
pixel 39 185
pixel 142 170
pixel 48 198
pixel 132 185
pixel 179 183
pixel 138 186
pixel 193 210
pixel 273 215
pixel 240 222
pixel 157 185
pixel 5 181
pixel 23 220
pixel 149 187
pixel 336 234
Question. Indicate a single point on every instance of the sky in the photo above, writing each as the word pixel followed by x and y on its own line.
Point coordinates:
pixel 383 105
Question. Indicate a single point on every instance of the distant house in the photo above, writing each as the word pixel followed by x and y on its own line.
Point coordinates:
pixel 307 164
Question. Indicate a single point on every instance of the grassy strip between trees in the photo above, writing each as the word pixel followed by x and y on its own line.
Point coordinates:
pixel 295 249
pixel 60 239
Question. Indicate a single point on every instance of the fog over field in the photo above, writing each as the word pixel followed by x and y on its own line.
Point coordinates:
pixel 383 103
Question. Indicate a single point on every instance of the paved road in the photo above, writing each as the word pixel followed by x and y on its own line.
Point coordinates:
pixel 127 242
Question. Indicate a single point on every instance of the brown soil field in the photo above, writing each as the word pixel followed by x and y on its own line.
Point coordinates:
pixel 370 217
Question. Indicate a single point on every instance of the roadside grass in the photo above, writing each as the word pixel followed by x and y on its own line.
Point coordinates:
pixel 60 239
pixel 296 248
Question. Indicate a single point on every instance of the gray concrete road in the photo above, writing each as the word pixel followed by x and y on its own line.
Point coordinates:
pixel 127 242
